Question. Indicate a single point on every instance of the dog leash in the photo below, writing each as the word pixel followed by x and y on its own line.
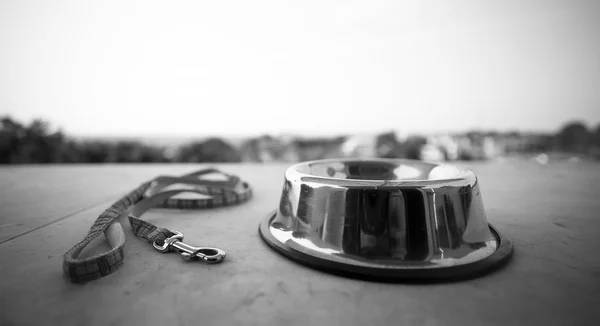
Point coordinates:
pixel 158 192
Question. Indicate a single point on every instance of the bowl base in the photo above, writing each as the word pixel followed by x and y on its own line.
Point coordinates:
pixel 384 272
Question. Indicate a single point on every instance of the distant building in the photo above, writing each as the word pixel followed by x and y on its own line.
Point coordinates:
pixel 319 148
pixel 360 146
pixel 268 149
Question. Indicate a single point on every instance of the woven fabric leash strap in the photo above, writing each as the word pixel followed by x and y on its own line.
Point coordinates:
pixel 158 192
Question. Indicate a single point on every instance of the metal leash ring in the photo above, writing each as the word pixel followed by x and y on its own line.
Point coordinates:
pixel 175 243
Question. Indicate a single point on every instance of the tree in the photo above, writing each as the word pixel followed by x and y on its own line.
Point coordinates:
pixel 34 143
pixel 11 133
pixel 387 145
pixel 133 151
pixel 211 150
pixel 574 137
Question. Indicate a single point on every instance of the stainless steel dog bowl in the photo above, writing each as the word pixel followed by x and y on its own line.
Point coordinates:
pixel 385 219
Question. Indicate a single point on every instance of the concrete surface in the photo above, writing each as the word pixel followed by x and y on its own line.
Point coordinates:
pixel 550 212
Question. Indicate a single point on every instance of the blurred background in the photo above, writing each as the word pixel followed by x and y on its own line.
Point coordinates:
pixel 261 81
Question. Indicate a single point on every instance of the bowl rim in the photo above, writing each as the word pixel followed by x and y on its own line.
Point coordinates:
pixel 464 176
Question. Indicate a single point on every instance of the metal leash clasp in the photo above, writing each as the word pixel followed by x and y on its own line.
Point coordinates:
pixel 175 243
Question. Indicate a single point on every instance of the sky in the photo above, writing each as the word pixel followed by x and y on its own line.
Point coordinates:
pixel 237 68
